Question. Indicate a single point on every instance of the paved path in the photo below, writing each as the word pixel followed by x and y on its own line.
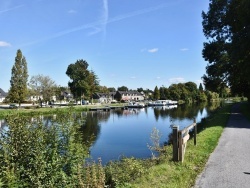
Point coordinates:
pixel 229 165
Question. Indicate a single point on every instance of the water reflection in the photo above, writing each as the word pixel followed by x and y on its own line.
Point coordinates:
pixel 113 134
pixel 127 132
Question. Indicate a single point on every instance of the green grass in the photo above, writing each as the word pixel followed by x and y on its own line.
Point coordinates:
pixel 245 109
pixel 48 110
pixel 177 174
pixel 36 111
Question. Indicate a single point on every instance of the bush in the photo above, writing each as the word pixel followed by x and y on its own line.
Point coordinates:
pixel 118 173
pixel 53 155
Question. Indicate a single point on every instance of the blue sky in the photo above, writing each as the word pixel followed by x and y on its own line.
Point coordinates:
pixel 131 43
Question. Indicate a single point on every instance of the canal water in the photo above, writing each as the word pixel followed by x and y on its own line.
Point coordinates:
pixel 120 133
pixel 127 133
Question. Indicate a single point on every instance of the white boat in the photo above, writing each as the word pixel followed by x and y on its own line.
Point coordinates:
pixel 158 103
pixel 162 103
pixel 170 102
pixel 135 105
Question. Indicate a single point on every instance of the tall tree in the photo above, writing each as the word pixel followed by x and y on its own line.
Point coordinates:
pixel 122 88
pixel 227 27
pixel 83 82
pixel 44 86
pixel 156 93
pixel 19 78
pixel 200 87
pixel 112 89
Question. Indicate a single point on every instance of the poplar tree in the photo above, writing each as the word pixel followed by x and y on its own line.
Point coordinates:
pixel 19 78
pixel 156 93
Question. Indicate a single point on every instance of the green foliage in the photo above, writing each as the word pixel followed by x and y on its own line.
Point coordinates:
pixel 227 26
pixel 42 85
pixel 122 88
pixel 119 173
pixel 83 82
pixel 156 93
pixel 212 95
pixel 170 174
pixel 19 78
pixel 34 154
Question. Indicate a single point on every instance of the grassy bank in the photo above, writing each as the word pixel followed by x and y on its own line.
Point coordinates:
pixel 47 110
pixel 172 174
pixel 39 111
pixel 245 109
pixel 160 172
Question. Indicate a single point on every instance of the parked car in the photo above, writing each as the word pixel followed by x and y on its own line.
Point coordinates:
pixel 84 102
pixel 12 106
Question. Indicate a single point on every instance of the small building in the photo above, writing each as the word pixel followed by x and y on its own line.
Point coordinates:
pixel 104 97
pixel 3 95
pixel 129 96
pixel 65 95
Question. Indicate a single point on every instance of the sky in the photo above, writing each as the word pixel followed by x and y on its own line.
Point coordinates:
pixel 132 43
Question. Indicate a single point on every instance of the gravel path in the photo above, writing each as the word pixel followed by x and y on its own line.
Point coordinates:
pixel 229 165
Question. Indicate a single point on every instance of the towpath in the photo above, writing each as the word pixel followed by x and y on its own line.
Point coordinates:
pixel 229 165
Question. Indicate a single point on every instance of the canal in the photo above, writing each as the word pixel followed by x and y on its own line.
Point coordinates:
pixel 127 133
pixel 120 133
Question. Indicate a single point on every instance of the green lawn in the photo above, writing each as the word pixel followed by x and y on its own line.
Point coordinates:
pixel 173 174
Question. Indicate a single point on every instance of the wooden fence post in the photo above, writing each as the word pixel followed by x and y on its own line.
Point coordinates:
pixel 175 143
pixel 195 131
pixel 180 146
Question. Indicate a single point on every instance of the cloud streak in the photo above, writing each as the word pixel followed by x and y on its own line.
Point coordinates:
pixel 104 21
pixel 9 9
pixel 105 16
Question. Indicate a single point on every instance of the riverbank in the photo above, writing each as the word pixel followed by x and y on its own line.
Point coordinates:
pixel 173 174
pixel 29 109
pixel 163 172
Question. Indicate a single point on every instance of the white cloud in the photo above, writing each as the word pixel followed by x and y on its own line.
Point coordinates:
pixel 4 44
pixel 184 49
pixel 71 11
pixel 176 80
pixel 153 50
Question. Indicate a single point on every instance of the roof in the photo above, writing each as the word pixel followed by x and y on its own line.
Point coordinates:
pixel 130 92
pixel 3 93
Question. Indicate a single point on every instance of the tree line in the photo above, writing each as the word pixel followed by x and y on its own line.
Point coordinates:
pixel 83 83
pixel 186 92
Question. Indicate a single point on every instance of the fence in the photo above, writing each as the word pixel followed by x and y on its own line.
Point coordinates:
pixel 180 138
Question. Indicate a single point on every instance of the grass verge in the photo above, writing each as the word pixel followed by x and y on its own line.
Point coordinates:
pixel 172 174
pixel 245 109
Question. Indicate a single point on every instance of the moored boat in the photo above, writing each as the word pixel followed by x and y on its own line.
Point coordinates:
pixel 135 105
pixel 162 103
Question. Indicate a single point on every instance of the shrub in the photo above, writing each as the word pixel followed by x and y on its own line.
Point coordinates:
pixel 53 155
pixel 125 170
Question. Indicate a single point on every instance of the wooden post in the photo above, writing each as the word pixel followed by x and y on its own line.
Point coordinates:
pixel 180 145
pixel 195 131
pixel 175 143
